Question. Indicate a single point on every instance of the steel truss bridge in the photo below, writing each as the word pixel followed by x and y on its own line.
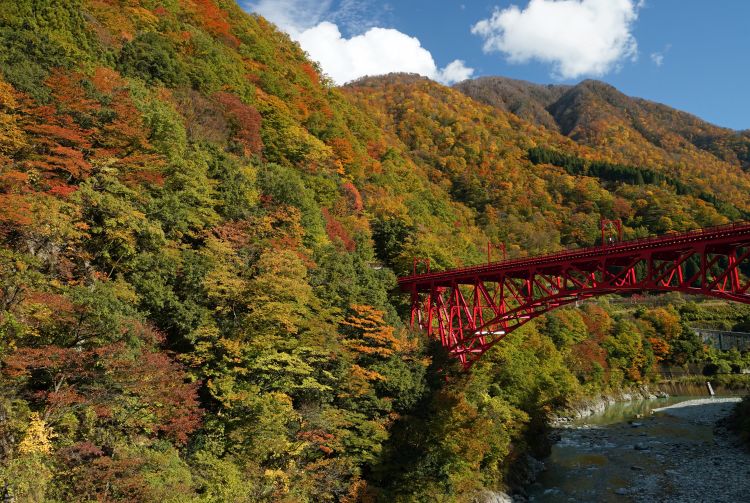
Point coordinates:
pixel 473 308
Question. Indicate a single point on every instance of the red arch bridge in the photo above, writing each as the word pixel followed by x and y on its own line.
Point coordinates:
pixel 473 308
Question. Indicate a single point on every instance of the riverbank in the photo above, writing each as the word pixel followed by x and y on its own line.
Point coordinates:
pixel 596 405
pixel 714 467
pixel 604 409
pixel 677 453
pixel 724 385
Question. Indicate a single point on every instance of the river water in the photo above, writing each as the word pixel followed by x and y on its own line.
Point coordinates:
pixel 634 452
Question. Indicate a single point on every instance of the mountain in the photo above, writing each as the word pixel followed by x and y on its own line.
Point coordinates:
pixel 631 131
pixel 590 110
pixel 199 242
pixel 517 175
pixel 527 100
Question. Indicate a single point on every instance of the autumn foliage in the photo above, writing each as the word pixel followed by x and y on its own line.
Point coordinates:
pixel 199 240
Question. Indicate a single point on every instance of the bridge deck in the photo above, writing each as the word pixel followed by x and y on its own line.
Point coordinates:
pixel 669 245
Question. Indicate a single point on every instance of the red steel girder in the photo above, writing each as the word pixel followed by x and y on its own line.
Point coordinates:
pixel 473 308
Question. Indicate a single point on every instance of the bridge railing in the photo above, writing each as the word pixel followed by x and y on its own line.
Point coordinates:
pixel 577 251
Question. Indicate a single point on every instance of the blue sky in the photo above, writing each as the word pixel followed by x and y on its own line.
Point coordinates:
pixel 689 54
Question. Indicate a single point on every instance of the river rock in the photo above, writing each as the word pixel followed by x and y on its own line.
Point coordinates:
pixel 493 497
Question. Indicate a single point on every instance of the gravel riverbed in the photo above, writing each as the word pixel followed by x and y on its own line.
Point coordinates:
pixel 679 453
pixel 712 467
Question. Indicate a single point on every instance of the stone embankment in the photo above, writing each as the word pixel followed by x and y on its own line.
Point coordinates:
pixel 596 405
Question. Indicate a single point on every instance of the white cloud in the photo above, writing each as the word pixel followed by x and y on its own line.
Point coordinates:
pixel 456 71
pixel 578 37
pixel 377 51
pixel 658 57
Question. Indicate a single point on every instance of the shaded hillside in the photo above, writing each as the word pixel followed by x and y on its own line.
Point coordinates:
pixel 527 100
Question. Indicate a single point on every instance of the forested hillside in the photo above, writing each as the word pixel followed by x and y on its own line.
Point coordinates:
pixel 532 187
pixel 199 241
pixel 628 130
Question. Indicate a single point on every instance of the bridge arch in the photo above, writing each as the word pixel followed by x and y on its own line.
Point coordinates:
pixel 471 309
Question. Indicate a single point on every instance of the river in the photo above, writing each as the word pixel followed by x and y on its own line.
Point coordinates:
pixel 665 450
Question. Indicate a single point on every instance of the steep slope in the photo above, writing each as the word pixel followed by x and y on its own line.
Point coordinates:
pixel 191 306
